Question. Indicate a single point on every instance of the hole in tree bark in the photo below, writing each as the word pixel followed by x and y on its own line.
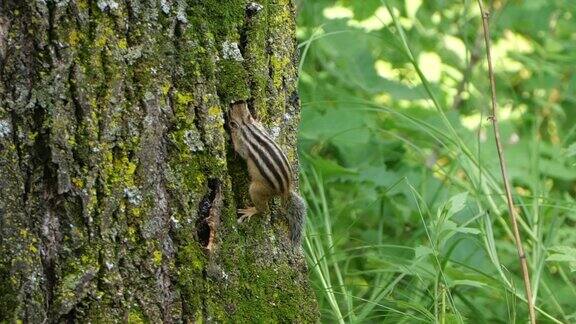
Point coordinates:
pixel 209 212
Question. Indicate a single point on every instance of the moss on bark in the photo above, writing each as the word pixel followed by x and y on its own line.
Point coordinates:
pixel 114 159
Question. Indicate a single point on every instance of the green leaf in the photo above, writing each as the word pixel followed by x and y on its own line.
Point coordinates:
pixel 467 282
pixel 468 230
pixel 457 203
pixel 330 168
pixel 379 176
pixel 422 251
pixel 564 254
pixel 557 169
pixel 571 150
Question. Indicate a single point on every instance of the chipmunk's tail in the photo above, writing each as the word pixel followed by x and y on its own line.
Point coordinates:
pixel 296 214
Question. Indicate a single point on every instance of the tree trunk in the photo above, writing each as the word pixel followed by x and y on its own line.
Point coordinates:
pixel 118 183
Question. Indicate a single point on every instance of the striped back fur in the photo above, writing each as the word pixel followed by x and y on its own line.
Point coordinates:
pixel 253 143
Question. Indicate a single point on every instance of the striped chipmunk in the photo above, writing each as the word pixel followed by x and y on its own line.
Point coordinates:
pixel 269 170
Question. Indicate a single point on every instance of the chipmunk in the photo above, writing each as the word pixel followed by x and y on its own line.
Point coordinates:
pixel 269 170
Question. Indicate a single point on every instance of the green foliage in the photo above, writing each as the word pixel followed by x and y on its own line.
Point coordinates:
pixel 408 221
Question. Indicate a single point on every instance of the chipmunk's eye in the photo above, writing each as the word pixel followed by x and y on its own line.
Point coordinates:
pixel 233 124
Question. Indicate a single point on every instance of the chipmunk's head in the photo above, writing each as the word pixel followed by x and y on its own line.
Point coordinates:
pixel 239 115
pixel 239 120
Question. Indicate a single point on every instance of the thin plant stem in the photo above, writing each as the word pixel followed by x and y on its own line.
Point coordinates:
pixel 503 168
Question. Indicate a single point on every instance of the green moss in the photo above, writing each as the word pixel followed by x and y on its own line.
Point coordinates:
pixel 190 264
pixel 274 290
pixel 83 4
pixel 166 88
pixel 257 60
pixel 135 316
pixel 232 84
pixel 132 234
pixel 135 211
pixel 193 257
pixel 8 285
pixel 122 44
pixel 103 36
pixel 118 172
pixel 77 273
pixel 73 38
pixel 157 258
pixel 279 65
pixel 221 17
pixel 183 98
pixel 183 114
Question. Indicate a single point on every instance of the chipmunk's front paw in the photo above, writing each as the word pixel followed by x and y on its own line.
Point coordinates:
pixel 246 213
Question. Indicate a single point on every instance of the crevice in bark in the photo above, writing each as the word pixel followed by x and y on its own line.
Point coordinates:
pixel 70 317
pixel 48 222
pixel 294 99
pixel 208 214
pixel 243 31
pixel 28 297
pixel 198 124
pixel 52 36
pixel 131 20
pixel 98 211
pixel 22 166
pixel 73 88
pixel 78 115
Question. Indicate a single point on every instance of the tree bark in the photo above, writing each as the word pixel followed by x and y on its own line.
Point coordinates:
pixel 118 182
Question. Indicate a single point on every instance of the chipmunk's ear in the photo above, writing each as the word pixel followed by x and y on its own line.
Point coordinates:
pixel 239 112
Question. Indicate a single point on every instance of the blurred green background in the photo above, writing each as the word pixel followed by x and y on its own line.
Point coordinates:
pixel 408 221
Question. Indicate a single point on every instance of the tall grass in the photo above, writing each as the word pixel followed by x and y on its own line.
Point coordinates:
pixel 456 261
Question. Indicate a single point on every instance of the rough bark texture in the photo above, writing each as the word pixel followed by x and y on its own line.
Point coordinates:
pixel 118 183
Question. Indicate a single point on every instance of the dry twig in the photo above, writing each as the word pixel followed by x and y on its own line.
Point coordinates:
pixel 511 208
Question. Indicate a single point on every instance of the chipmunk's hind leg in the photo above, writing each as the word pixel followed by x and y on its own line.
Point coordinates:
pixel 260 194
